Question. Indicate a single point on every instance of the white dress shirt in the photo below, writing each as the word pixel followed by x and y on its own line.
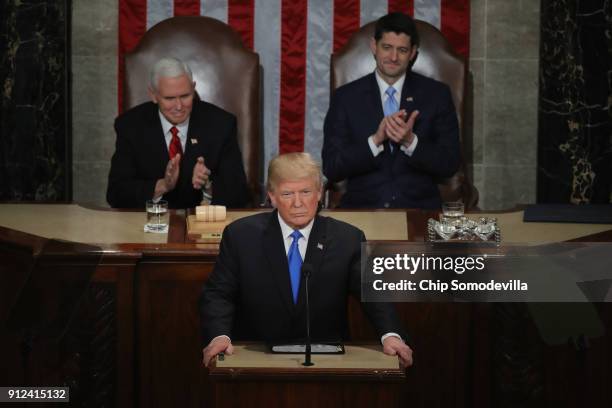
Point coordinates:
pixel 182 128
pixel 288 239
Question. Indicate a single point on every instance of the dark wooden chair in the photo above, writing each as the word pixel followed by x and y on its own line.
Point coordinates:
pixel 226 74
pixel 436 59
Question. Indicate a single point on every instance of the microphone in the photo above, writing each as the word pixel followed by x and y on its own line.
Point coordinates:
pixel 306 272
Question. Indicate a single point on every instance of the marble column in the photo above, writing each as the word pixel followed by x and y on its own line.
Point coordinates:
pixel 504 48
pixel 94 93
pixel 34 119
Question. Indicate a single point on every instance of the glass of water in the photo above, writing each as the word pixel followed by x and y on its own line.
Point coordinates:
pixel 157 216
pixel 452 212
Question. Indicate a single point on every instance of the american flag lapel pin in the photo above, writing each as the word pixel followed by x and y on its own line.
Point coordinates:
pixel 410 99
pixel 194 141
pixel 320 246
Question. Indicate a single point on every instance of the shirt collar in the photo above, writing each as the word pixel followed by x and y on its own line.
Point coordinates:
pixel 287 230
pixel 166 125
pixel 382 85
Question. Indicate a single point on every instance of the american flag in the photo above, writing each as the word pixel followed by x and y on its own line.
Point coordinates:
pixel 294 39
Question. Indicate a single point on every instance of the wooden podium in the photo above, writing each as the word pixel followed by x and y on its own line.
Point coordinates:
pixel 255 377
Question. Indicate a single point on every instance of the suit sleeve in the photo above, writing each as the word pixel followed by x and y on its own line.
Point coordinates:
pixel 125 189
pixel 383 316
pixel 344 154
pixel 229 180
pixel 217 301
pixel 440 154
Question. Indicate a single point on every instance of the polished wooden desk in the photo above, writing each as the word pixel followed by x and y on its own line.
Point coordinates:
pixel 141 319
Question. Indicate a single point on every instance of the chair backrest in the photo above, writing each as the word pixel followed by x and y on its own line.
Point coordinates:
pixel 226 74
pixel 436 59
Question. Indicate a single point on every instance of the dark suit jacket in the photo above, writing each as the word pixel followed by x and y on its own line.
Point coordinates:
pixel 248 295
pixel 393 180
pixel 141 156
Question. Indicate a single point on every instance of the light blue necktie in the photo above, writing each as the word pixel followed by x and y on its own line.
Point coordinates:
pixel 390 107
pixel 295 264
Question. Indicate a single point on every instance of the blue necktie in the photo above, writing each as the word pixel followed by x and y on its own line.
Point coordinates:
pixel 295 264
pixel 390 107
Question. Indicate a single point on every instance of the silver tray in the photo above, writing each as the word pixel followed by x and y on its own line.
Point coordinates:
pixel 464 229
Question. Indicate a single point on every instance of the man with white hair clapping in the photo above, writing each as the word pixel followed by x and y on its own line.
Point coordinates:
pixel 175 146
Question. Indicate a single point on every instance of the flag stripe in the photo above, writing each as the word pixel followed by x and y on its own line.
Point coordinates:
pixel 318 51
pixel 455 19
pixel 428 10
pixel 346 21
pixel 267 44
pixel 159 10
pixel 132 26
pixel 186 7
pixel 214 8
pixel 403 6
pixel 293 75
pixel 371 11
pixel 240 16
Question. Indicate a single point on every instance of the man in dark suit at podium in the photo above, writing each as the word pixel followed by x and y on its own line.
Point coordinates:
pixel 256 291
pixel 176 146
pixel 393 133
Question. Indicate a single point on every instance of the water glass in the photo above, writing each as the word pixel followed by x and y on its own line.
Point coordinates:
pixel 452 212
pixel 157 216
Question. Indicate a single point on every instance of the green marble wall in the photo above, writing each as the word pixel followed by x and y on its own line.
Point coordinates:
pixel 35 158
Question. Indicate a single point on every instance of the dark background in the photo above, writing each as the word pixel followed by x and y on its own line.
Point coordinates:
pixel 35 123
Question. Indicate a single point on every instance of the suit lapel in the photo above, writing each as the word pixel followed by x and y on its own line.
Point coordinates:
pixel 200 138
pixel 316 243
pixel 315 250
pixel 194 133
pixel 374 98
pixel 157 142
pixel 274 249
pixel 407 101
pixel 194 147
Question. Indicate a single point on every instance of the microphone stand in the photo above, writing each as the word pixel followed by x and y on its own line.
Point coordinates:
pixel 306 270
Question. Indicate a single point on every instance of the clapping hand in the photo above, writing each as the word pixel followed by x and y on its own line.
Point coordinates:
pixel 399 129
pixel 201 174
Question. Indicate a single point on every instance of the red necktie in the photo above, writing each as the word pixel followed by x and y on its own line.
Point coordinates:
pixel 175 144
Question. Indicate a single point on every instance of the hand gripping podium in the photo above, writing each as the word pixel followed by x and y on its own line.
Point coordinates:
pixel 361 377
